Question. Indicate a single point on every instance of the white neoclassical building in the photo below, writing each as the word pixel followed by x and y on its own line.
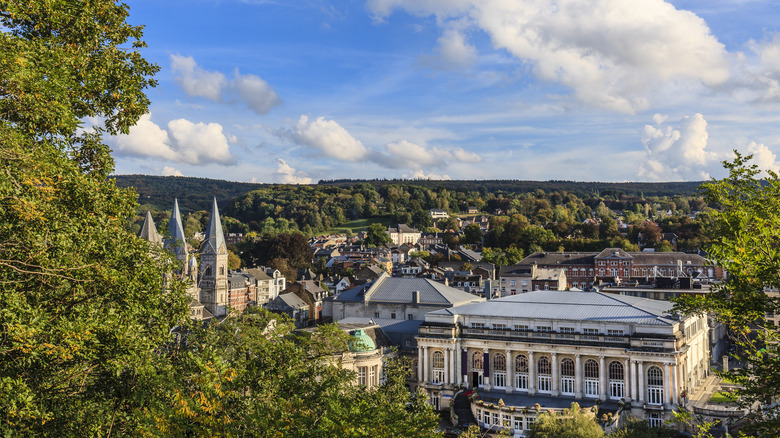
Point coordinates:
pixel 549 348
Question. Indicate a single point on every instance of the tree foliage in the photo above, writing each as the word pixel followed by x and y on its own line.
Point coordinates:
pixel 745 233
pixel 572 423
pixel 376 235
pixel 82 307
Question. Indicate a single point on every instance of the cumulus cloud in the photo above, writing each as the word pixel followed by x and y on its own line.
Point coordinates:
pixel 763 157
pixel 170 171
pixel 287 175
pixel 328 137
pixel 610 53
pixel 183 141
pixel 678 152
pixel 333 141
pixel 453 52
pixel 250 89
pixel 195 80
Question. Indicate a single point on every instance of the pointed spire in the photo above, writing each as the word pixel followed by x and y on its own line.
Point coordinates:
pixel 214 236
pixel 149 230
pixel 176 242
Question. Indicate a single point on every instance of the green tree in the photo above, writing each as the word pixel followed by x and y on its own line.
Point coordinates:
pixel 82 307
pixel 376 235
pixel 572 423
pixel 472 234
pixel 745 232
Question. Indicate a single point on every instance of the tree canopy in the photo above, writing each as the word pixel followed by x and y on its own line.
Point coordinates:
pixel 745 233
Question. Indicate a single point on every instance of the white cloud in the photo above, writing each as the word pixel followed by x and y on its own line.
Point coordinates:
pixel 170 171
pixel 183 141
pixel 610 53
pixel 195 80
pixel 328 137
pixel 255 92
pixel 763 157
pixel 419 174
pixel 287 175
pixel 405 154
pixel 676 153
pixel 453 52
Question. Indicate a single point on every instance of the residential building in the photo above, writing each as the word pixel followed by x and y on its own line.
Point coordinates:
pixel 437 213
pixel 402 233
pixel 518 279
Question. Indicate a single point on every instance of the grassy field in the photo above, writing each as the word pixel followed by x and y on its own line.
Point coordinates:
pixel 720 397
pixel 360 225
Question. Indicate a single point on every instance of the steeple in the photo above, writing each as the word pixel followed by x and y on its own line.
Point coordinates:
pixel 149 230
pixel 176 243
pixel 215 239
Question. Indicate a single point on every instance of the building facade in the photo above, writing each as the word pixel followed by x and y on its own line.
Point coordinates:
pixel 551 348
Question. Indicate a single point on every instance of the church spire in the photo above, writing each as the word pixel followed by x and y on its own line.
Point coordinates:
pixel 149 230
pixel 176 243
pixel 214 236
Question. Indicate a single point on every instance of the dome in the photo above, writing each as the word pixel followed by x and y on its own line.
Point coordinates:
pixel 361 342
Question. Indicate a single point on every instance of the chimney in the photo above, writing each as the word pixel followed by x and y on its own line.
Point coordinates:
pixel 416 297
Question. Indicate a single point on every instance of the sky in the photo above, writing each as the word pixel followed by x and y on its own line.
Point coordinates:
pixel 296 91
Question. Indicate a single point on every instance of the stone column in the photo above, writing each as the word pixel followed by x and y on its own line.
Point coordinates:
pixel 577 377
pixel 510 372
pixel 555 382
pixel 425 364
pixel 531 373
pixel 419 363
pixel 668 397
pixel 486 369
pixel 641 379
pixel 634 395
pixel 626 380
pixel 446 379
pixel 675 371
pixel 453 367
pixel 602 378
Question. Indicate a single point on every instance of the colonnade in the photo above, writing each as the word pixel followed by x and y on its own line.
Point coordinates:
pixel 458 366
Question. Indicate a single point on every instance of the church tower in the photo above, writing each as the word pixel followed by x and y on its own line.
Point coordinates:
pixel 149 230
pixel 214 266
pixel 176 242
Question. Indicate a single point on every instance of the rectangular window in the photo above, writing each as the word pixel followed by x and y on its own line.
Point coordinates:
pixel 477 325
pixel 438 376
pixel 529 422
pixel 410 317
pixel 566 329
pixel 372 376
pixel 523 328
pixel 655 419
pixel 376 314
pixel 544 383
pixel 499 326
pixel 521 381
pixel 567 385
pixel 362 376
pixel 518 424
pixel 495 419
pixel 544 328
pixel 525 282
pixel 611 332
pixel 392 315
pixel 591 387
pixel 499 379
pixel 513 282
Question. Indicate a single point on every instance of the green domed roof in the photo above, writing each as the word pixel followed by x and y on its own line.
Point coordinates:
pixel 361 342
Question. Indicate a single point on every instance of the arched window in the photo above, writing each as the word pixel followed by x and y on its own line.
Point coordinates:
pixel 499 362
pixel 207 272
pixel 476 362
pixel 655 386
pixel 221 270
pixel 616 380
pixel 437 363
pixel 591 378
pixel 544 369
pixel 521 371
pixel 499 370
pixel 567 376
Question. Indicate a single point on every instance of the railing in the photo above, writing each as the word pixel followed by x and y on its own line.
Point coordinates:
pixel 508 333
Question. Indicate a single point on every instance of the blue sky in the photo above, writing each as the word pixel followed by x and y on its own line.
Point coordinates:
pixel 603 90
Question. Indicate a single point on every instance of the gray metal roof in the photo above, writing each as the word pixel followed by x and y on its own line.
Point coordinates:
pixel 214 236
pixel 388 289
pixel 388 325
pixel 573 306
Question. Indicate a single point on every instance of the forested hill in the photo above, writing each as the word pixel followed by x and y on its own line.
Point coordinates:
pixel 193 193
pixel 582 189
pixel 196 193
